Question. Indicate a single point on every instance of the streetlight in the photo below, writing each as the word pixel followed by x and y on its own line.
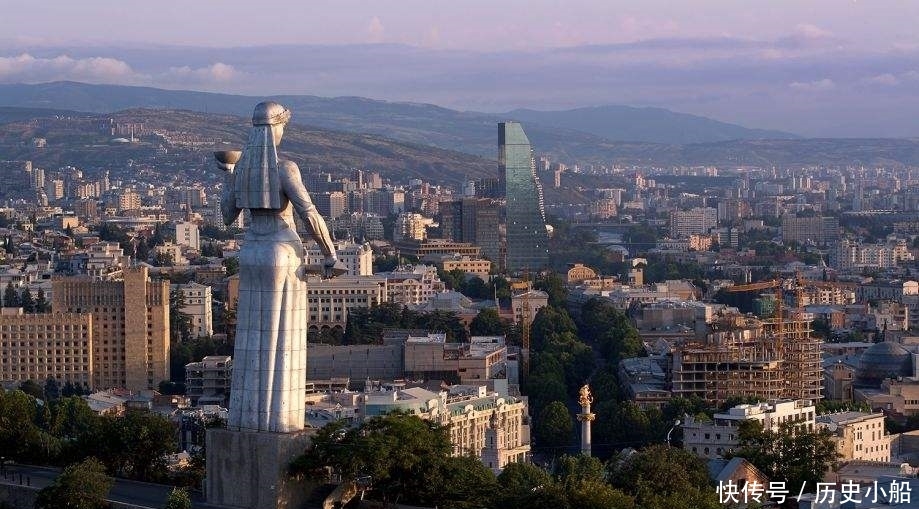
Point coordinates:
pixel 675 424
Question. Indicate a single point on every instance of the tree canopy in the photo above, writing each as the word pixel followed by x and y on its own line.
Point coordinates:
pixel 664 477
pixel 83 485
pixel 790 453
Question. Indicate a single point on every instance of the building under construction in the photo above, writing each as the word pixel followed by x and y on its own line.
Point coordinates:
pixel 748 357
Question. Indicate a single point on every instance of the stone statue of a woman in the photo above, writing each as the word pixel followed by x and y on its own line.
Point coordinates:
pixel 269 359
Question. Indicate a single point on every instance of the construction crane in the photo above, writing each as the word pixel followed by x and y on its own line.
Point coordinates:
pixel 796 283
pixel 776 285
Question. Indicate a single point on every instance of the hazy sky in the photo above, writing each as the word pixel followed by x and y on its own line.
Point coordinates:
pixel 464 24
pixel 820 67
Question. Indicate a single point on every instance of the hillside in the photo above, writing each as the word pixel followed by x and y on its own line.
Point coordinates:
pixel 84 141
pixel 655 125
pixel 561 134
pixel 11 114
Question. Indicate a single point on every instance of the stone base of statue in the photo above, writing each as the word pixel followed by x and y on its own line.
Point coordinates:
pixel 248 470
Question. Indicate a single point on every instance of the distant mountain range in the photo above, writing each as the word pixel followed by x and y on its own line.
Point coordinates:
pixel 573 133
pixel 655 125
pixel 427 140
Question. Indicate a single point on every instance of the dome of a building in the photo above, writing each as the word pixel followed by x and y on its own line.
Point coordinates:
pixel 880 361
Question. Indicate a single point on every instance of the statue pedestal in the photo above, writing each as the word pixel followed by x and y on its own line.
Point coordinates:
pixel 248 470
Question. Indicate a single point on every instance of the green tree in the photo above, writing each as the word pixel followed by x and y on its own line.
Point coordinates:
pixel 178 499
pixel 554 428
pixel 665 477
pixel 76 426
pixel 598 495
pixel 20 437
pixel 402 455
pixel 555 288
pixel 487 323
pixel 454 279
pixel 466 483
pixel 41 302
pixel 549 322
pixel 522 484
pixel 232 265
pixel 10 296
pixel 610 329
pixel 82 485
pixel 136 444
pixel 52 389
pixel 791 453
pixel 32 388
pixel 573 470
pixel 26 301
pixel 179 321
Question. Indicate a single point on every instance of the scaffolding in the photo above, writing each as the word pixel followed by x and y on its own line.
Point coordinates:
pixel 763 359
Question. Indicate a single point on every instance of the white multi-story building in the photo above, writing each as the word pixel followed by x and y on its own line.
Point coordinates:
pixel 357 258
pixel 413 284
pixel 717 438
pixel 488 425
pixel 856 255
pixel 208 382
pixel 699 220
pixel 187 235
pixel 858 435
pixel 330 300
pixel 198 308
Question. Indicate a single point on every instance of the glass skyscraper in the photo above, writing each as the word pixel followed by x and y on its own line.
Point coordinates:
pixel 527 241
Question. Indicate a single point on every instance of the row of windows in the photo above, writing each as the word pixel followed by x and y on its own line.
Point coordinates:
pixel 341 292
pixel 56 342
pixel 42 352
pixel 42 328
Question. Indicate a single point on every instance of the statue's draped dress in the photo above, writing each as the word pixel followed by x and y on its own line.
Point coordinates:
pixel 269 358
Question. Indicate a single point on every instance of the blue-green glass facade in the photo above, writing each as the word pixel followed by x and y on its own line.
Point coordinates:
pixel 527 241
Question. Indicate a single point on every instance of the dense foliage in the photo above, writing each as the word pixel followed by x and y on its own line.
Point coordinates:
pixel 797 456
pixel 65 431
pixel 83 485
pixel 367 325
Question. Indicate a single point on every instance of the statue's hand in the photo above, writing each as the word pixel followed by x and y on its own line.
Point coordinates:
pixel 302 272
pixel 328 266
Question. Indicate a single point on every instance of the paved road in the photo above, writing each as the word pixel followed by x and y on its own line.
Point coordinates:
pixel 124 491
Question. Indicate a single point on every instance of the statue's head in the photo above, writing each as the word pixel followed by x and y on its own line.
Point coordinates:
pixel 271 114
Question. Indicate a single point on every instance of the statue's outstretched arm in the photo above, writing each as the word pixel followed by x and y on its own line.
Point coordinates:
pixel 296 193
pixel 228 198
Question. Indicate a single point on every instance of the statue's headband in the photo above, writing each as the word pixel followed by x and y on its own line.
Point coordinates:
pixel 270 113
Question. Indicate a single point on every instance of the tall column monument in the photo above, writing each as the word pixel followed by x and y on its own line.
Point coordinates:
pixel 247 462
pixel 585 418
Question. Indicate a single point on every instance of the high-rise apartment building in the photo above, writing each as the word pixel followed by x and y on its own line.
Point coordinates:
pixel 410 225
pixel 527 240
pixel 816 229
pixel 331 205
pixel 127 200
pixel 130 343
pixel 695 221
pixel 187 235
pixel 46 345
pixel 198 307
pixel 475 221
